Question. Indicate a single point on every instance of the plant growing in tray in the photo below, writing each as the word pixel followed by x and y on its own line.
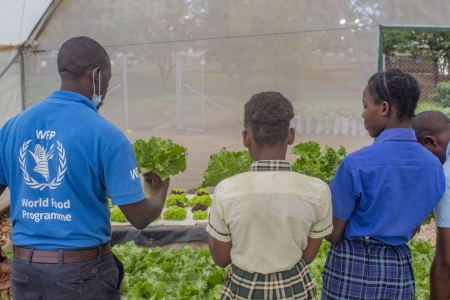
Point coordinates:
pixel 225 164
pixel 175 213
pixel 316 163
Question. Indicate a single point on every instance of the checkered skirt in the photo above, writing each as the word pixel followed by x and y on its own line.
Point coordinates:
pixel 368 269
pixel 295 283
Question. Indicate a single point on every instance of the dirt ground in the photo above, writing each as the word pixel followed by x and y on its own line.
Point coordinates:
pixel 428 232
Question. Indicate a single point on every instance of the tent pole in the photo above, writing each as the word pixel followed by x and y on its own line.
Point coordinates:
pixel 5 68
pixel 380 49
pixel 22 79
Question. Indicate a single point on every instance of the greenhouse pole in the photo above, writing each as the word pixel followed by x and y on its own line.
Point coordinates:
pixel 125 87
pixel 22 79
pixel 380 49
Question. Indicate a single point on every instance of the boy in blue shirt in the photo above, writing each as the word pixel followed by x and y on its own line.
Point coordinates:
pixel 381 194
pixel 433 132
pixel 60 159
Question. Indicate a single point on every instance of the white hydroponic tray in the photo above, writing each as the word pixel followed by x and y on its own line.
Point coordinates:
pixel 189 221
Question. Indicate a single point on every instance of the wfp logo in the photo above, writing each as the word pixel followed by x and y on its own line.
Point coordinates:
pixel 41 157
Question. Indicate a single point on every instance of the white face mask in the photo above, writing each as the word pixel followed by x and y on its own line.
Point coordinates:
pixel 96 99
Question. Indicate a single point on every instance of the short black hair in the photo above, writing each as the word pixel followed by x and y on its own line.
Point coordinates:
pixel 269 115
pixel 429 123
pixel 398 89
pixel 79 54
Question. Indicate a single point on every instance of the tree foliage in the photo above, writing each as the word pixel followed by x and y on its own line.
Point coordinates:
pixel 434 45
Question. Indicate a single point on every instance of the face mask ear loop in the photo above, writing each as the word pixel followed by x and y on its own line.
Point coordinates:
pixel 93 80
pixel 99 81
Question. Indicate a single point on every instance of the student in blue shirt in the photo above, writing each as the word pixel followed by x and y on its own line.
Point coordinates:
pixel 381 194
pixel 60 159
pixel 433 132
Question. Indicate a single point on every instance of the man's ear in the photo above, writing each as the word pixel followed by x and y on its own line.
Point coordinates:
pixel 430 142
pixel 246 138
pixel 291 136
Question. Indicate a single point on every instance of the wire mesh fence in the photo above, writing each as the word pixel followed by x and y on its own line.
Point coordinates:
pixel 428 73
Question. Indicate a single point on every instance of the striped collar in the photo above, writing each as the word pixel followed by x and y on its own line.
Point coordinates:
pixel 270 165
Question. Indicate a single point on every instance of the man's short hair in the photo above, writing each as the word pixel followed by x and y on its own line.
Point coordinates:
pixel 79 54
pixel 429 123
pixel 269 115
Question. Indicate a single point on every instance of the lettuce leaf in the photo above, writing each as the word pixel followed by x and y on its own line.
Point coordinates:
pixel 316 163
pixel 156 274
pixel 161 157
pixel 225 164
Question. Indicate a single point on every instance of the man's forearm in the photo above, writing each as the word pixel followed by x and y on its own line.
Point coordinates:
pixel 156 205
pixel 439 280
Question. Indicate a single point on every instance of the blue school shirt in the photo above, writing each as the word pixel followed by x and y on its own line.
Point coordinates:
pixel 60 159
pixel 442 209
pixel 387 189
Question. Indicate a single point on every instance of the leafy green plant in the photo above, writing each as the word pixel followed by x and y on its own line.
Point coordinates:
pixel 174 198
pixel 317 163
pixel 117 215
pixel 225 164
pixel 192 274
pixel 178 191
pixel 161 157
pixel 199 206
pixel 442 94
pixel 427 106
pixel 187 274
pixel 200 215
pixel 175 213
pixel 202 192
pixel 205 200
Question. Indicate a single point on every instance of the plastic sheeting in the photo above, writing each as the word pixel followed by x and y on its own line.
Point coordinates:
pixel 18 18
pixel 159 236
pixel 414 13
pixel 184 69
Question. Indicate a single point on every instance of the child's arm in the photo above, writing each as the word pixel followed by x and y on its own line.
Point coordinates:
pixel 220 251
pixel 311 250
pixel 338 230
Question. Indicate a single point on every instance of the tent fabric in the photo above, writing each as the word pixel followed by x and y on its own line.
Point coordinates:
pixel 184 66
pixel 18 18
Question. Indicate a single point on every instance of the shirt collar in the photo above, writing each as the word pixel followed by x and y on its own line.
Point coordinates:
pixel 399 134
pixel 447 153
pixel 270 165
pixel 72 96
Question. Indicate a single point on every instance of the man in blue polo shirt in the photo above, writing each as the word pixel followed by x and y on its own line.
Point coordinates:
pixel 60 159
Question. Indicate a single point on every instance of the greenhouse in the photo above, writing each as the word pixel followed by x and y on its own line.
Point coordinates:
pixel 183 69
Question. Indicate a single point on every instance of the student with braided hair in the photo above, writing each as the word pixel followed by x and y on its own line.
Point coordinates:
pixel 381 194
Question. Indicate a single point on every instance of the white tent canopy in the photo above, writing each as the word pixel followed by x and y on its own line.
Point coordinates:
pixel 18 18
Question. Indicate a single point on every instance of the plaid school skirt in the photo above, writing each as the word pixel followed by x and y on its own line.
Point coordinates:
pixel 295 283
pixel 368 269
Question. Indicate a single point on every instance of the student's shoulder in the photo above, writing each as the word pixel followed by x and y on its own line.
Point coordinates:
pixel 311 186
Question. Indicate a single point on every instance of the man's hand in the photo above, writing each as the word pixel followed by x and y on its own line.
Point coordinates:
pixel 157 182
pixel 141 214
pixel 5 285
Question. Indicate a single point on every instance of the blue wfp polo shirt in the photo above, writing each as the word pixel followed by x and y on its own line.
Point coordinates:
pixel 60 159
pixel 387 189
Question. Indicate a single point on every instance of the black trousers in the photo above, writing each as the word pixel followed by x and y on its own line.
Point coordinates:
pixel 96 279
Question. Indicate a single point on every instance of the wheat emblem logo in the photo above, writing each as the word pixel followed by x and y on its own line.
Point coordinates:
pixel 41 157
